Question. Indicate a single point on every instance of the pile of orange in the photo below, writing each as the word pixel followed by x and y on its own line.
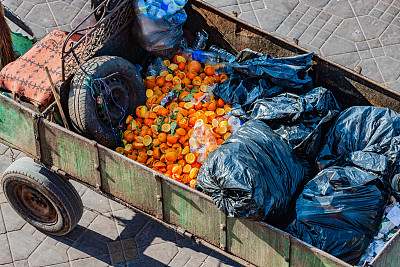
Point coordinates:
pixel 159 136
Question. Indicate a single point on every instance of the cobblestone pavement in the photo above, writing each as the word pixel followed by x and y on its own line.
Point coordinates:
pixel 363 33
pixel 107 234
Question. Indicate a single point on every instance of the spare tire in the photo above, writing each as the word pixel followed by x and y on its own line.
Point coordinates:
pixel 122 89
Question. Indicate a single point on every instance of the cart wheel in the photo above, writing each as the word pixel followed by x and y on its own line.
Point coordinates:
pixel 122 90
pixel 42 198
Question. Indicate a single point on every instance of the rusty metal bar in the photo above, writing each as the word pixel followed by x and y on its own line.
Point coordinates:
pixel 160 205
pixel 36 120
pixel 97 166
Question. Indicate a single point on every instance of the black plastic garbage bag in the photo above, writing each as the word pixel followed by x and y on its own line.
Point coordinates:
pixel 264 76
pixel 253 174
pixel 366 137
pixel 339 211
pixel 161 37
pixel 301 120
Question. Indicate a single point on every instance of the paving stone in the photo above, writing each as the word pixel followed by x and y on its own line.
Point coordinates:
pixel 78 3
pixel 377 52
pixel 366 54
pixel 114 247
pixel 313 12
pixel 5 254
pixel 4 163
pixel 230 9
pixel 382 6
pixel 249 17
pixel 246 7
pixel 28 228
pixel 223 3
pixel 350 29
pixel 47 254
pixel 129 223
pixel 21 244
pixel 15 3
pixel 96 201
pixel 193 249
pixel 162 253
pixel 372 27
pixel 104 229
pixel 12 220
pixel 315 3
pixel 117 258
pixel 318 43
pixel 391 36
pixel 289 22
pixel 2 226
pixel 23 263
pixel 179 260
pixel 396 22
pixel 394 85
pixel 376 13
pixel 306 19
pixel 87 246
pixel 387 17
pixel 336 45
pixel 370 69
pixel 349 60
pixel 393 10
pixel 36 1
pixel 41 15
pixel 362 46
pixel 38 31
pixel 269 19
pixel 39 235
pixel 65 12
pixel 375 43
pixel 3 148
pixel 285 7
pixel 318 23
pixel 99 261
pixel 116 206
pixel 3 198
pixel 322 35
pixel 257 5
pixel 393 51
pixel 390 66
pixel 362 7
pixel 339 8
pixel 302 8
pixel 128 244
pixel 75 234
pixel 131 254
pixel 305 38
pixel 154 233
pixel 216 260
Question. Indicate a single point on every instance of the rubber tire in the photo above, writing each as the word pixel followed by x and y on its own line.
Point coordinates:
pixel 57 190
pixel 81 106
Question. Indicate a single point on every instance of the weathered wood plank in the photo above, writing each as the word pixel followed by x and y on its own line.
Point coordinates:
pixel 258 242
pixel 16 125
pixel 128 180
pixel 68 151
pixel 191 210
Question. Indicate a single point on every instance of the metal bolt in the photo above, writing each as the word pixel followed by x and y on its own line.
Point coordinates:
pixel 222 227
pixel 235 14
pixel 286 258
pixel 159 198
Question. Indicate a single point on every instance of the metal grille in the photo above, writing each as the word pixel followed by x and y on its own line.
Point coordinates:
pixel 95 37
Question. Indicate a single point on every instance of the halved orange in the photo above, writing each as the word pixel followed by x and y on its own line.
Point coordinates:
pixel 227 135
pixel 190 158
pixel 120 150
pixel 147 140
pixel 166 127
pixel 220 112
pixel 186 150
pixel 189 105
pixel 187 168
pixel 193 173
pixel 193 183
pixel 177 169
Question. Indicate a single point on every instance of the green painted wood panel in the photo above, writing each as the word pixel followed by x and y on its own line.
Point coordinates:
pixel 390 256
pixel 191 210
pixel 302 254
pixel 128 180
pixel 257 242
pixel 68 151
pixel 16 125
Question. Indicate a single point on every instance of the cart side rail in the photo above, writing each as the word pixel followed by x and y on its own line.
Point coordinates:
pixel 18 127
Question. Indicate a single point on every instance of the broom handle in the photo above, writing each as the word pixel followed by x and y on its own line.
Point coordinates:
pixel 53 88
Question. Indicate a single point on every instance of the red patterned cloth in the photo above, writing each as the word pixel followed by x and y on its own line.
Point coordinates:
pixel 26 77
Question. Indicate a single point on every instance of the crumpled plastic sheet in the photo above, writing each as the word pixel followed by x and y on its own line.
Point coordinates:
pixel 258 76
pixel 160 37
pixel 340 210
pixel 253 174
pixel 301 120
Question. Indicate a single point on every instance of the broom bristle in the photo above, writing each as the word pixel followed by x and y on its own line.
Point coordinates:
pixel 7 54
